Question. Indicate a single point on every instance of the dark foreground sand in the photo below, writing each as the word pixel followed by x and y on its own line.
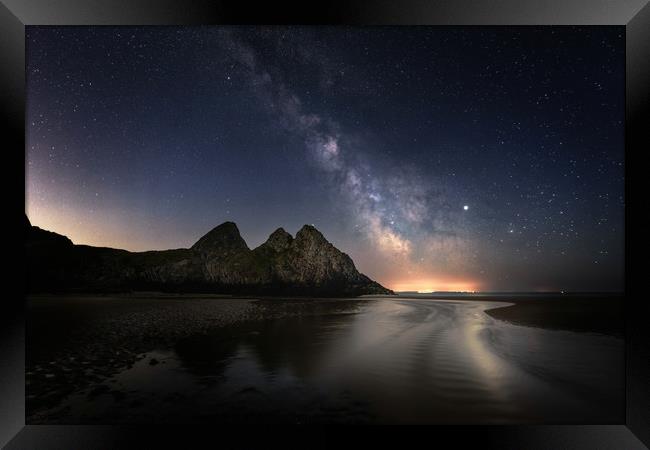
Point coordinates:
pixel 75 342
pixel 595 314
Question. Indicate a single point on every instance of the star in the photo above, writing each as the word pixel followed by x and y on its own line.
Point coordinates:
pixel 280 131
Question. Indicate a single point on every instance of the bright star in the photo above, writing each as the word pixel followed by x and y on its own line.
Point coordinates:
pixel 465 207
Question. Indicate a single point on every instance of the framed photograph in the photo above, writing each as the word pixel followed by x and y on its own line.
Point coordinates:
pixel 244 218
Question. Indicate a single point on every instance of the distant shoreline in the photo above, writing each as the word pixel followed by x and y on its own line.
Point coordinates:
pixel 508 294
pixel 601 313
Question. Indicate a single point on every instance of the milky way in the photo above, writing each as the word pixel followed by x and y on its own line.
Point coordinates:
pixel 438 158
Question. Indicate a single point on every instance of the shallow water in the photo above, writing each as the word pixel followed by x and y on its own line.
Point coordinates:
pixel 370 361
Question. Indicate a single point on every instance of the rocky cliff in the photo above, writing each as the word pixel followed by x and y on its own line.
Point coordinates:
pixel 219 262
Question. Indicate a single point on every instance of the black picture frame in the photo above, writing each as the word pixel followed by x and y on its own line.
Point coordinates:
pixel 634 15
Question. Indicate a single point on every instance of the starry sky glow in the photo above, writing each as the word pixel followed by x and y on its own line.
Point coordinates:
pixel 438 158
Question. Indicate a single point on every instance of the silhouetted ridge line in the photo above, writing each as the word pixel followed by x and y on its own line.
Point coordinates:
pixel 219 262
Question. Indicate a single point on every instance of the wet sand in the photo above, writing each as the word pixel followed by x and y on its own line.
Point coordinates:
pixel 596 314
pixel 76 342
pixel 189 359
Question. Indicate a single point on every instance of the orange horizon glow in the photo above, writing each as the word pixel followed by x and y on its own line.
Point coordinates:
pixel 433 285
pixel 105 228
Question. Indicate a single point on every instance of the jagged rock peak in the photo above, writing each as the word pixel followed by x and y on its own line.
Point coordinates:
pixel 309 232
pixel 224 236
pixel 279 240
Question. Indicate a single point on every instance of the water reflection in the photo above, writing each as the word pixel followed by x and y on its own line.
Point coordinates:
pixel 414 361
pixel 296 344
pixel 373 361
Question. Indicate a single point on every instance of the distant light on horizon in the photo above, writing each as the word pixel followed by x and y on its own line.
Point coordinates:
pixel 424 286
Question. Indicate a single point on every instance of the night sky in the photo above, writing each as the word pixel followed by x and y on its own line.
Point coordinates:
pixel 438 158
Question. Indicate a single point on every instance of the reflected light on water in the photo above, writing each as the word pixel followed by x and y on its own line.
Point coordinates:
pixel 489 366
pixel 382 360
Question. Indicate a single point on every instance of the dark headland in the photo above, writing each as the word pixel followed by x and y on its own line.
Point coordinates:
pixel 219 263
